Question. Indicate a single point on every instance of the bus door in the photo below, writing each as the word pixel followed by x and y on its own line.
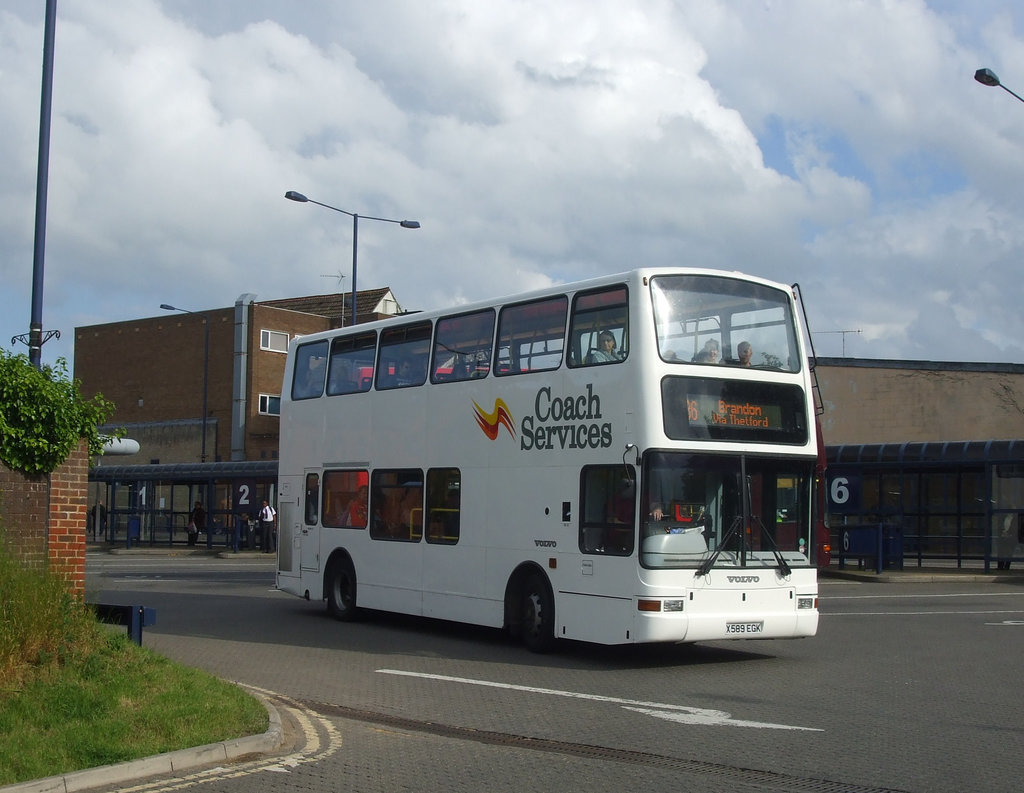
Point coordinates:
pixel 308 533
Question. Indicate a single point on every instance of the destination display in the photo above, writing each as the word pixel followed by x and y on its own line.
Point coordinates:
pixel 709 408
pixel 702 409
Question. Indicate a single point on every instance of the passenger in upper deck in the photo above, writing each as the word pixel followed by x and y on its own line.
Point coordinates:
pixel 404 375
pixel 709 354
pixel 744 352
pixel 605 352
pixel 340 381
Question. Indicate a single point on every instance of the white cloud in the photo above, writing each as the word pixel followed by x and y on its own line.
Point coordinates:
pixel 842 145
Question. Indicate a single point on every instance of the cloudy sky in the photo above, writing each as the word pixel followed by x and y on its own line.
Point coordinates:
pixel 843 145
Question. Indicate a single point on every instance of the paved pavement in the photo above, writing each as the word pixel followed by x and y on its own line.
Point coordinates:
pixel 949 574
pixel 279 738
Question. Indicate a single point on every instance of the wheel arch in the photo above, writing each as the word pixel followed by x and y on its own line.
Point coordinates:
pixel 338 556
pixel 514 592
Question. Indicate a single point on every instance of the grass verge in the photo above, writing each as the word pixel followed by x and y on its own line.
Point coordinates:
pixel 75 694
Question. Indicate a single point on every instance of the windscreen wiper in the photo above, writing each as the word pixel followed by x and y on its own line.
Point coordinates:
pixel 707 564
pixel 783 565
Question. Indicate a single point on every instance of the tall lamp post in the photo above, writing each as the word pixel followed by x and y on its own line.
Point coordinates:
pixel 989 78
pixel 291 195
pixel 206 365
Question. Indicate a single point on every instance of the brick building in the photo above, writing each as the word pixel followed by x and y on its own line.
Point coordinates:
pixel 152 370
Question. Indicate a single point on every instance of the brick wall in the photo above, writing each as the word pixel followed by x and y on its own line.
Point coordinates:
pixel 152 370
pixel 44 517
pixel 869 401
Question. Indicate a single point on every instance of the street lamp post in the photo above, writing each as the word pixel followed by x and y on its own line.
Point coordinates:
pixel 989 78
pixel 206 365
pixel 292 195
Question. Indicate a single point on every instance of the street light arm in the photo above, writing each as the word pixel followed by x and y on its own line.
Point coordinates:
pixel 405 224
pixel 168 307
pixel 1011 92
pixel 294 195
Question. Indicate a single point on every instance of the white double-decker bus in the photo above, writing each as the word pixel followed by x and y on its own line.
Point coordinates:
pixel 625 459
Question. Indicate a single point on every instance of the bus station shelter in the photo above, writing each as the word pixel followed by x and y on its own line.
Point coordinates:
pixel 149 505
pixel 958 503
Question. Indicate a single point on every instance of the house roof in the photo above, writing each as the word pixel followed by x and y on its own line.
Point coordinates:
pixel 334 305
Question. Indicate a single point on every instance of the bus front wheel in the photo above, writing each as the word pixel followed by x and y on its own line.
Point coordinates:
pixel 537 615
pixel 341 590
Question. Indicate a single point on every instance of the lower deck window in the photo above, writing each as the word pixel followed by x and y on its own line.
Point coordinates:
pixel 345 499
pixel 396 505
pixel 608 509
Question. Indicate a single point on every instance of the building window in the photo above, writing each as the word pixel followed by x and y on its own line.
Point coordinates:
pixel 274 340
pixel 270 405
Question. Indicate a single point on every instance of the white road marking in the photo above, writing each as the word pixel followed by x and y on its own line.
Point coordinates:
pixel 682 714
pixel 830 615
pixel 918 595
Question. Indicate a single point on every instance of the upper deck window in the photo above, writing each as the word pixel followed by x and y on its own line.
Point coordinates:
pixel 462 347
pixel 310 370
pixel 531 336
pixel 709 319
pixel 599 329
pixel 352 359
pixel 404 353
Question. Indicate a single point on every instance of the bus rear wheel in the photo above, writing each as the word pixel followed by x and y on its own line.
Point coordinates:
pixel 537 615
pixel 341 590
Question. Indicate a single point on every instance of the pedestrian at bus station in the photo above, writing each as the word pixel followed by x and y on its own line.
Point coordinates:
pixel 1007 541
pixel 267 517
pixel 196 523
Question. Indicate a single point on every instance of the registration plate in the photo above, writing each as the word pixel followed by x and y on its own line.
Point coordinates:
pixel 744 627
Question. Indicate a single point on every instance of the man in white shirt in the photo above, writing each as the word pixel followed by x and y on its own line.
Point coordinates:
pixel 267 517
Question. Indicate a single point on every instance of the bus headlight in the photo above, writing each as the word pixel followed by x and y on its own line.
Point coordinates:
pixel 673 605
pixel 805 603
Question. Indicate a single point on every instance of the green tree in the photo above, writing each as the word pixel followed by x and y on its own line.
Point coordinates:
pixel 43 415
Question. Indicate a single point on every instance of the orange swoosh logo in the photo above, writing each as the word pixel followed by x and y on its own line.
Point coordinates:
pixel 499 417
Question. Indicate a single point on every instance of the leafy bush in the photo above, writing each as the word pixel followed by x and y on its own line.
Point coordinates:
pixel 43 415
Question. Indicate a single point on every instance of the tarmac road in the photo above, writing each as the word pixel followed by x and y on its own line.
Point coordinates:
pixel 907 687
